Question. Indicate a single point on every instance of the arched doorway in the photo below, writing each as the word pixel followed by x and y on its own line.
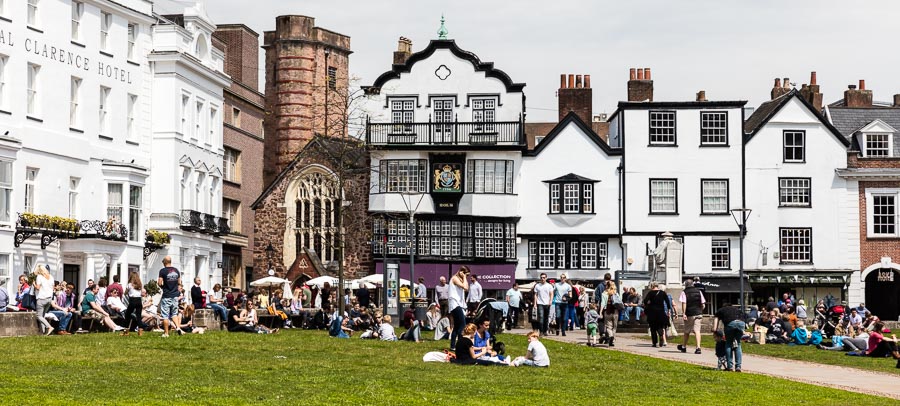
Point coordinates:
pixel 883 293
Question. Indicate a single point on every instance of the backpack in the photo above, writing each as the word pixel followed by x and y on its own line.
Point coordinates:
pixel 614 302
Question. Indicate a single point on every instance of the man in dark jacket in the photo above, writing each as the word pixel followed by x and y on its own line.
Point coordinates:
pixel 197 294
pixel 692 305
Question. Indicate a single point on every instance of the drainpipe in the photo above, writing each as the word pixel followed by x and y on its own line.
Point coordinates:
pixel 621 171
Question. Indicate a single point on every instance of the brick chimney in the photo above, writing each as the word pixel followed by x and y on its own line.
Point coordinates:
pixel 780 88
pixel 640 86
pixel 861 97
pixel 241 53
pixel 811 93
pixel 404 50
pixel 575 95
pixel 897 100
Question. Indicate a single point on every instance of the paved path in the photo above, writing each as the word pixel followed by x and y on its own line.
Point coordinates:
pixel 850 379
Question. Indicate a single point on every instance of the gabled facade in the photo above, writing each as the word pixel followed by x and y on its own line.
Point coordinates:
pixel 445 138
pixel 569 208
pixel 188 83
pixel 871 130
pixel 802 235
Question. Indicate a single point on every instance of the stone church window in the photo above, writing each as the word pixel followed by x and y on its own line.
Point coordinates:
pixel 317 195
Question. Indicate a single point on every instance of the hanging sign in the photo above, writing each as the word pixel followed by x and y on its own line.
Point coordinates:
pixel 886 275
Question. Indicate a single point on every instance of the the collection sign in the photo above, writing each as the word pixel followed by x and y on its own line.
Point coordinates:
pixel 65 56
pixel 885 275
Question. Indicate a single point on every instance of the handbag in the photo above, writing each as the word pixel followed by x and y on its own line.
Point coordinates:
pixel 672 331
pixel 29 301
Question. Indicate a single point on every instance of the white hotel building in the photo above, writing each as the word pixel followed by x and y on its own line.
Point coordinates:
pixel 82 133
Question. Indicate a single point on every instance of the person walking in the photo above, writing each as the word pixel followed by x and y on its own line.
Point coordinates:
pixel 441 294
pixel 543 294
pixel 135 305
pixel 571 310
pixel 43 292
pixel 692 305
pixel 733 325
pixel 169 279
pixel 610 312
pixel 655 306
pixel 561 301
pixel 513 299
pixel 459 284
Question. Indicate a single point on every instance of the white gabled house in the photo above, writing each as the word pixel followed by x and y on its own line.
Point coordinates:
pixel 569 208
pixel 803 234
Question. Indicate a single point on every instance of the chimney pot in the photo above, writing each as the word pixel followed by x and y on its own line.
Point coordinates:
pixel 646 73
pixel 640 74
pixel 562 81
pixel 851 87
pixel 631 74
pixel 587 81
pixel 578 83
pixel 701 96
pixel 862 84
pixel 787 83
pixel 777 82
pixel 897 100
pixel 571 81
pixel 812 78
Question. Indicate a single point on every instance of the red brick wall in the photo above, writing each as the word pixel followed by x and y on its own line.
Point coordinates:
pixel 871 250
pixel 855 161
pixel 241 53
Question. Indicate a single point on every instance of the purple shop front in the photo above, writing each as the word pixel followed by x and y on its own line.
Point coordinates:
pixel 491 276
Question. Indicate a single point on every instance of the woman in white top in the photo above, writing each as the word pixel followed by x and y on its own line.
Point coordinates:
pixel 43 292
pixel 459 284
pixel 135 305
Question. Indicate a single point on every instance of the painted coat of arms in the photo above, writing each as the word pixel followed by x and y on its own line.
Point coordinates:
pixel 447 178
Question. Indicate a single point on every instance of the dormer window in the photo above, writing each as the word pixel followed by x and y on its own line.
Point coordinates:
pixel 877 145
pixel 571 194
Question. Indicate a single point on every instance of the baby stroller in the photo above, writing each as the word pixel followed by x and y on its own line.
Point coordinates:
pixel 833 318
pixel 491 310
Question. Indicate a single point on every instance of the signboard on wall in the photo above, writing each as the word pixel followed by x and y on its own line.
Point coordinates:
pixel 392 292
pixel 885 275
pixel 447 182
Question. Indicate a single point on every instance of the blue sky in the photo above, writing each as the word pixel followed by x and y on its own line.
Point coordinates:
pixel 731 49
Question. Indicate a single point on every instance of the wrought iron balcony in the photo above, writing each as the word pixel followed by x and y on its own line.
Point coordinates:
pixel 209 224
pixel 52 228
pixel 504 133
pixel 223 227
pixel 191 220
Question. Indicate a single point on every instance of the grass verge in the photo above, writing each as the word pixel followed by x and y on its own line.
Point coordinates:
pixel 307 367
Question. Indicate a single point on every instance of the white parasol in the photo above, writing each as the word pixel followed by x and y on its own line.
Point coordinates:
pixel 378 280
pixel 320 281
pixel 269 281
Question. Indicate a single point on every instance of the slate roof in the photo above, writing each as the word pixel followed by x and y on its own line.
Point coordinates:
pixel 848 120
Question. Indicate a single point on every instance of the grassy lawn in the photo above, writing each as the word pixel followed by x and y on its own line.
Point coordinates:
pixel 807 353
pixel 303 367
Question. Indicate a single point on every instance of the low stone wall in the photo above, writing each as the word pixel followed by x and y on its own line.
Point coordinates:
pixel 16 324
pixel 206 318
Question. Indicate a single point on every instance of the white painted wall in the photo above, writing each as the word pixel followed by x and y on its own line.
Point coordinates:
pixel 59 148
pixel 834 215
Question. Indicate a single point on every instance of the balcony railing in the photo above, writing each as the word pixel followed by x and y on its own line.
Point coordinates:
pixel 223 228
pixel 209 224
pixel 191 220
pixel 51 228
pixel 509 133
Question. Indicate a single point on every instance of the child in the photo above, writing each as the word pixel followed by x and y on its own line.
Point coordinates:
pixel 720 350
pixel 591 318
pixel 386 331
pixel 536 356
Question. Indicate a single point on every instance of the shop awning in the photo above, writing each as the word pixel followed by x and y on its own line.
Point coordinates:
pixel 723 285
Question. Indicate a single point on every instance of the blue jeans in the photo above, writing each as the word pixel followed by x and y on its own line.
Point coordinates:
pixel 544 318
pixel 63 317
pixel 220 311
pixel 572 317
pixel 561 313
pixel 637 310
pixel 459 322
pixel 733 333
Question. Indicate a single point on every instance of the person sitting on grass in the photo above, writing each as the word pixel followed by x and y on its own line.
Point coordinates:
pixel 237 320
pixel 412 325
pixel 90 308
pixel 800 335
pixel 386 330
pixel 442 330
pixel 854 345
pixel 340 327
pixel 252 318
pixel 482 338
pixel 880 346
pixel 434 316
pixel 591 317
pixel 536 356
pixel 466 352
pixel 186 321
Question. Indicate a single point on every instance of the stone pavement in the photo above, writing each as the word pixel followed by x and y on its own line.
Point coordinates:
pixel 850 379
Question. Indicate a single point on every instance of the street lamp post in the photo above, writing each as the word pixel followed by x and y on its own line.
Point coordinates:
pixel 412 234
pixel 740 217
pixel 270 252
